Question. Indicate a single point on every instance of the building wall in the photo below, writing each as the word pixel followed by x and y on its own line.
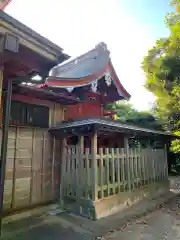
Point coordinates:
pixel 91 107
pixel 33 164
pixel 56 111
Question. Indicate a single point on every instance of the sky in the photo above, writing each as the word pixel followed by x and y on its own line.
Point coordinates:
pixel 129 30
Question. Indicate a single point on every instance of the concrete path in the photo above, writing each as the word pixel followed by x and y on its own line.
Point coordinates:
pixel 163 223
pixel 43 228
pixel 160 224
pixel 70 227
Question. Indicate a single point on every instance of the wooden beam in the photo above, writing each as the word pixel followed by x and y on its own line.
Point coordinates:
pixel 26 38
pixel 21 60
pixel 62 170
pixel 94 166
pixel 166 162
pixel 26 61
pixel 1 85
pixel 81 177
pixel 128 169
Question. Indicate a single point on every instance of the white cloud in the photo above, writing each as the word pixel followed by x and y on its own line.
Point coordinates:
pixel 79 25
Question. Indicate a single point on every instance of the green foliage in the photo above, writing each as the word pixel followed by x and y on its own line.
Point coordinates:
pixel 162 69
pixel 127 114
pixel 174 2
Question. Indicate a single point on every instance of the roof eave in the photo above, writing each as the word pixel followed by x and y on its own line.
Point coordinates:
pixel 126 95
pixel 32 39
pixel 47 95
pixel 101 122
pixel 17 24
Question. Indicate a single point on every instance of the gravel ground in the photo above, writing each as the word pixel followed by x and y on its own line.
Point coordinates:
pixel 164 223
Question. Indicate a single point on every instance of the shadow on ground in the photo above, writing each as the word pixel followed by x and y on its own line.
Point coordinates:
pixel 47 232
pixel 70 227
pixel 42 227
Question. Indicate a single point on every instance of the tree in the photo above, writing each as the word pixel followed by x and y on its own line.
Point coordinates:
pixel 127 114
pixel 162 70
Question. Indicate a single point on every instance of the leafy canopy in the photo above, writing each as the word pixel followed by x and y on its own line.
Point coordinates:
pixel 162 70
pixel 127 114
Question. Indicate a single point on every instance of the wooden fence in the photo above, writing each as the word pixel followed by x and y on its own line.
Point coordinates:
pixel 114 171
pixel 32 168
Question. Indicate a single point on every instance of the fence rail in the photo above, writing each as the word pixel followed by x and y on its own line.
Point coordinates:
pixel 117 170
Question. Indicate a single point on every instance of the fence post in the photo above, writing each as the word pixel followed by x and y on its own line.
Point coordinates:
pixel 107 170
pixel 126 147
pixel 113 171
pixel 80 165
pixel 101 172
pixel 149 163
pixel 62 169
pixel 53 164
pixel 119 169
pixel 166 162
pixel 153 166
pixel 88 179
pixel 94 165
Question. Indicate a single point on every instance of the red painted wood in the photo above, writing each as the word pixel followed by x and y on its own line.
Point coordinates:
pixel 4 3
pixel 89 108
pixel 30 99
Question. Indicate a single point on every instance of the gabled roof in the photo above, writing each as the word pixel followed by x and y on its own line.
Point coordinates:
pixel 93 68
pixel 87 64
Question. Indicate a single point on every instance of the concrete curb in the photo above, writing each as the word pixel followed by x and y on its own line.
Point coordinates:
pixel 106 226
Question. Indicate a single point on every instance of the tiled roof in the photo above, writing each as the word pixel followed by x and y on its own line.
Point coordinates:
pixel 65 125
pixel 84 65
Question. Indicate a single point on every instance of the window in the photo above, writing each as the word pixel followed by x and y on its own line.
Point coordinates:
pixel 26 114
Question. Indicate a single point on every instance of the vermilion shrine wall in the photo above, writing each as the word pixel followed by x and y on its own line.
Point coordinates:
pixel 91 107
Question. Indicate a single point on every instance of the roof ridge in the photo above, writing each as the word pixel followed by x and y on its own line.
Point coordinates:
pixel 99 48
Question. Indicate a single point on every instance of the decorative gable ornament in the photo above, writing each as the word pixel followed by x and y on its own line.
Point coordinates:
pixel 102 46
pixel 94 86
pixel 108 78
pixel 70 89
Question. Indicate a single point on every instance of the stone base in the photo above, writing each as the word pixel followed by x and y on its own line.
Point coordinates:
pixel 115 203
